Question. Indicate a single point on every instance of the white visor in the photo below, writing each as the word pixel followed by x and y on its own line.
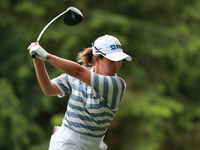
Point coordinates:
pixel 118 56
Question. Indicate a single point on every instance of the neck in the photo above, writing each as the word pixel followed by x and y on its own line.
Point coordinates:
pixel 102 71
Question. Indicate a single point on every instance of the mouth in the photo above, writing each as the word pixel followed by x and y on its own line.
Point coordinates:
pixel 116 69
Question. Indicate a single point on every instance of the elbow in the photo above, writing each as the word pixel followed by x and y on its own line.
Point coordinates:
pixel 47 93
pixel 54 91
pixel 51 90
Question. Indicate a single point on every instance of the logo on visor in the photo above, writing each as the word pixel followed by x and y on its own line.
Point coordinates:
pixel 114 47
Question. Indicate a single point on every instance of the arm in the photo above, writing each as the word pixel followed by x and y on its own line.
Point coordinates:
pixel 48 87
pixel 67 66
pixel 70 67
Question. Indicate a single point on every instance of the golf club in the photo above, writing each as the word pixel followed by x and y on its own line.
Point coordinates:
pixel 72 17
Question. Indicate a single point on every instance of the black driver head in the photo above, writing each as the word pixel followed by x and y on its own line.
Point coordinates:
pixel 73 16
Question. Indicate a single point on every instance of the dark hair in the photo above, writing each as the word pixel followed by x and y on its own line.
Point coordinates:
pixel 86 57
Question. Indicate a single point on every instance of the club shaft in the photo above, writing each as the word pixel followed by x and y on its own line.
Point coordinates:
pixel 33 54
pixel 38 39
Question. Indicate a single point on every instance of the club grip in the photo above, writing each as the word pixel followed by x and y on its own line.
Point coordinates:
pixel 33 54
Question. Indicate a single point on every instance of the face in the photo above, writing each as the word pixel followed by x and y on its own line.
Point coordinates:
pixel 106 67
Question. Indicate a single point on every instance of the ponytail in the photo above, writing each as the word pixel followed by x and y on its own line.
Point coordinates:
pixel 86 57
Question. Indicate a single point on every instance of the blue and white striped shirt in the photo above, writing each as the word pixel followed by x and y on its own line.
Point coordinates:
pixel 90 110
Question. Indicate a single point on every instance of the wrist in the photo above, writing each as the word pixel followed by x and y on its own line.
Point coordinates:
pixel 48 56
pixel 37 60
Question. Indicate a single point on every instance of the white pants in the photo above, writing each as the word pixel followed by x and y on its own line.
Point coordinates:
pixel 66 139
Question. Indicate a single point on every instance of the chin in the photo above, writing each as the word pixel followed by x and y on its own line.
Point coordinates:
pixel 114 73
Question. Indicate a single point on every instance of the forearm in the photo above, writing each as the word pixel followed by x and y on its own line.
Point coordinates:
pixel 69 67
pixel 43 78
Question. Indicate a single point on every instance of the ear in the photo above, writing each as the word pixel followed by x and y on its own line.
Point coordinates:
pixel 96 59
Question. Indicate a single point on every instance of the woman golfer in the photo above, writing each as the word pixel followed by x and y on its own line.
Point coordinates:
pixel 95 92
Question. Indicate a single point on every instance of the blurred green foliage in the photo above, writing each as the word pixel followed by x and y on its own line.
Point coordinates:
pixel 160 109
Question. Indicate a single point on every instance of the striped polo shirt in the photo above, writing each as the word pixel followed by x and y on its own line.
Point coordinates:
pixel 90 110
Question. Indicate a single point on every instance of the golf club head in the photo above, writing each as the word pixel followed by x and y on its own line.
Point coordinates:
pixel 73 16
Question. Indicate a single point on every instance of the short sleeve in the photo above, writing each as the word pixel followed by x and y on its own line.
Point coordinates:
pixel 63 84
pixel 111 88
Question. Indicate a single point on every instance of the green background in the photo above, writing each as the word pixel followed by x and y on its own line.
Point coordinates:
pixel 160 109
